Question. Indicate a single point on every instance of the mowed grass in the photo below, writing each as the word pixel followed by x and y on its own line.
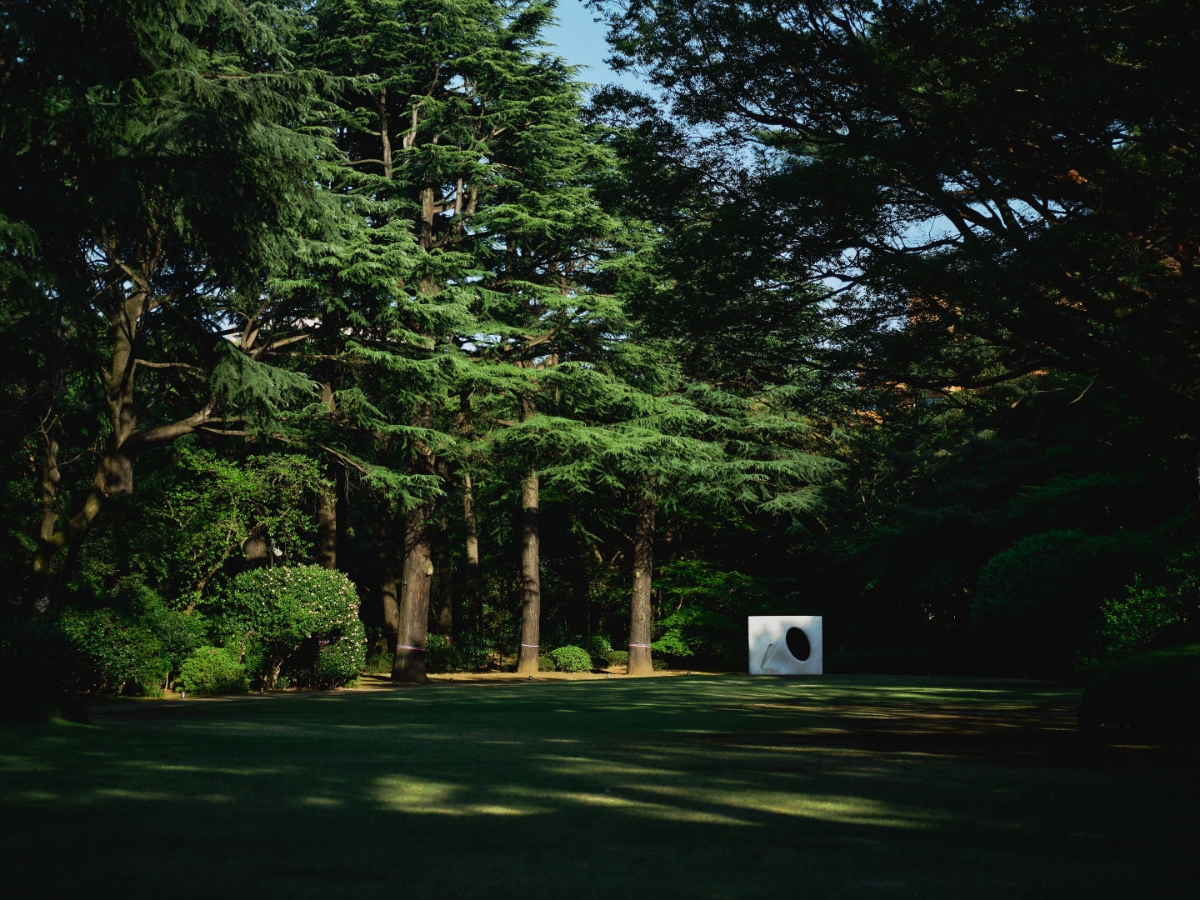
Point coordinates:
pixel 838 787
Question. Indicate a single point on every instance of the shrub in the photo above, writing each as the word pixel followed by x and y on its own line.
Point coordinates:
pixel 341 659
pixel 571 659
pixel 475 650
pixel 546 664
pixel 113 653
pixel 598 647
pixel 440 655
pixel 213 670
pixel 34 659
pixel 618 658
pixel 1037 601
pixel 301 617
pixel 378 662
pixel 178 634
pixel 658 664
pixel 1156 692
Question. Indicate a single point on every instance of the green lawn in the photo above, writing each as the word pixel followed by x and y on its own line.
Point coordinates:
pixel 845 786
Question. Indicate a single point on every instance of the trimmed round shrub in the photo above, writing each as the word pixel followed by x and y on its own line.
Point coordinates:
pixel 302 618
pixel 571 659
pixel 212 670
pixel 618 658
pixel 546 664
pixel 1156 692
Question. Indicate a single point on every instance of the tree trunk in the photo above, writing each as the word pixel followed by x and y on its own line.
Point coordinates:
pixel 474 590
pixel 531 577
pixel 408 665
pixel 387 578
pixel 385 137
pixel 329 529
pixel 413 626
pixel 48 478
pixel 640 662
pixel 444 611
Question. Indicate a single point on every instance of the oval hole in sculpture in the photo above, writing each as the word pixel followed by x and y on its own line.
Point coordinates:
pixel 797 644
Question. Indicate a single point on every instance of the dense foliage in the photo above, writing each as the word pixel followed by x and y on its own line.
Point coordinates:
pixel 212 670
pixel 359 325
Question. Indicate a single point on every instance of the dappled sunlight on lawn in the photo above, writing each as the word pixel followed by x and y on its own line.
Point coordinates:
pixel 422 797
pixel 932 784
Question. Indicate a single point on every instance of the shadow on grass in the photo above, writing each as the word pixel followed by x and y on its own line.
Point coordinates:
pixel 707 787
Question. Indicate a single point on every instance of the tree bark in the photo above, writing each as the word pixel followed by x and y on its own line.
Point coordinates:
pixel 329 529
pixel 531 576
pixel 408 666
pixel 385 137
pixel 641 613
pixel 444 611
pixel 387 578
pixel 474 592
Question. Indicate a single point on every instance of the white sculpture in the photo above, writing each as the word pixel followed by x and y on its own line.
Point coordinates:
pixel 785 645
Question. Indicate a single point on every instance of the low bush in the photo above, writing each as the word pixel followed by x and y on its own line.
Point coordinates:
pixel 379 658
pixel 441 655
pixel 571 659
pixel 378 662
pixel 212 670
pixel 113 653
pixel 341 657
pixel 1156 693
pixel 475 650
pixel 546 664
pixel 469 652
pixel 598 647
pixel 178 634
pixel 618 658
pixel 659 664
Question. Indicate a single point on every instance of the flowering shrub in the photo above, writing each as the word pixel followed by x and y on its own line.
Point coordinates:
pixel 304 618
